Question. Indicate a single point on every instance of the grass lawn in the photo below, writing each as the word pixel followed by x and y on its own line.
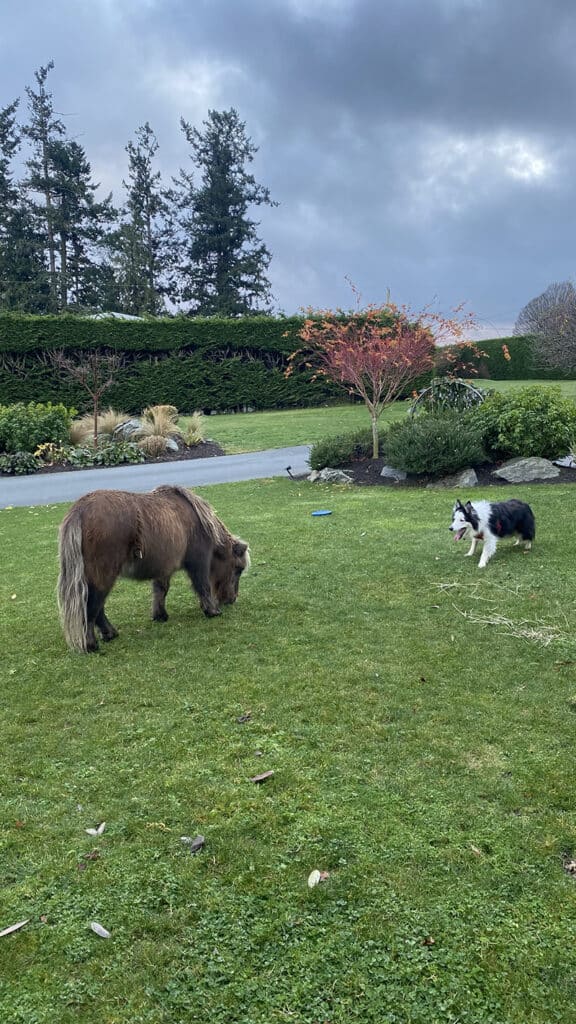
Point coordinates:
pixel 250 432
pixel 422 758
pixel 255 431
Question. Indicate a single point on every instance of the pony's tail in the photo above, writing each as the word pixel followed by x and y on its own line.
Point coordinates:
pixel 72 584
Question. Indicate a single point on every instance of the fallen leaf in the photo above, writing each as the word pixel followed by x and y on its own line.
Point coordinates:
pixel 96 831
pixel 93 855
pixel 262 777
pixel 244 718
pixel 14 927
pixel 428 941
pixel 476 850
pixel 99 930
pixel 569 866
pixel 316 876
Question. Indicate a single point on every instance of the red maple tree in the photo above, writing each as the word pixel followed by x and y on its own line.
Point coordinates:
pixel 376 352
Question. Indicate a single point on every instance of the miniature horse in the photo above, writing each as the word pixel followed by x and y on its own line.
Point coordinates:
pixel 107 534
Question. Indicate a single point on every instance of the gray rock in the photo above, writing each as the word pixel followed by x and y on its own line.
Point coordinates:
pixel 521 471
pixel 331 476
pixel 125 430
pixel 465 478
pixel 393 474
pixel 567 462
pixel 313 476
pixel 171 444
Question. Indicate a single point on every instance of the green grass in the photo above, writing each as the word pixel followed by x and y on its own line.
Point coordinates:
pixel 423 759
pixel 568 387
pixel 256 431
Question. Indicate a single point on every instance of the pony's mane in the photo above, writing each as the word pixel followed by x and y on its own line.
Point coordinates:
pixel 207 517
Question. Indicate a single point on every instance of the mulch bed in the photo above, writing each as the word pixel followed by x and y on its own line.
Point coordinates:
pixel 367 472
pixel 204 450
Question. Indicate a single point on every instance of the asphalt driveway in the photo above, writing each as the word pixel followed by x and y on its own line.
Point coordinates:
pixel 51 488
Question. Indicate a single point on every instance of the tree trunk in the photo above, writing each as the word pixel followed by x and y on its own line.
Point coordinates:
pixel 375 440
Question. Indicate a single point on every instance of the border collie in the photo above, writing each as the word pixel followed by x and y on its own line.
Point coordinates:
pixel 489 521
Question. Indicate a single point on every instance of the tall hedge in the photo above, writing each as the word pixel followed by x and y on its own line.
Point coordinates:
pixel 520 366
pixel 210 364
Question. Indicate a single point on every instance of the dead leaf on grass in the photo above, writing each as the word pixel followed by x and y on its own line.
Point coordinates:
pixel 14 927
pixel 244 718
pixel 263 777
pixel 96 831
pixel 98 929
pixel 316 876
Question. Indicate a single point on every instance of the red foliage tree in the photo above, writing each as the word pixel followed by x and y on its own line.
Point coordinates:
pixel 377 352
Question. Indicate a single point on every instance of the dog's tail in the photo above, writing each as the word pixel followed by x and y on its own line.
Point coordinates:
pixel 529 525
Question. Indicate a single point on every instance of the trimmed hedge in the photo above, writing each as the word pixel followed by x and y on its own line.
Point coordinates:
pixel 208 363
pixel 193 363
pixel 520 366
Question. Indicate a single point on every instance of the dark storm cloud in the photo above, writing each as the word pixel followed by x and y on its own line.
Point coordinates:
pixel 421 145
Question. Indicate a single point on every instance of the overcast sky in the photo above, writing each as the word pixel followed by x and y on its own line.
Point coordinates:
pixel 422 146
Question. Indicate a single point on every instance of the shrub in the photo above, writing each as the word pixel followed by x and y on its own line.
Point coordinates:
pixel 343 449
pixel 82 430
pixel 19 463
pixel 159 421
pixel 114 454
pixel 434 443
pixel 24 427
pixel 153 445
pixel 448 393
pixel 534 421
pixel 194 433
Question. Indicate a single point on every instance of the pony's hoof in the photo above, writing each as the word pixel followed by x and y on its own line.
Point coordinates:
pixel 160 617
pixel 211 613
pixel 107 637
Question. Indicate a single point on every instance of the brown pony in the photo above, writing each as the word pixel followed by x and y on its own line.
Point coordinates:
pixel 107 534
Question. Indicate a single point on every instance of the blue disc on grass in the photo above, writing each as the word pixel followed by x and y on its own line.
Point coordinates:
pixel 322 512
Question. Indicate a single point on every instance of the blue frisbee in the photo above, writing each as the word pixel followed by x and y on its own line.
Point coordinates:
pixel 322 512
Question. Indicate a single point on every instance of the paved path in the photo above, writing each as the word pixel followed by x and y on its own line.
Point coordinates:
pixel 50 488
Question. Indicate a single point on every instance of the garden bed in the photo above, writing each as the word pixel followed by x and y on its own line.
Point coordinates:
pixel 367 472
pixel 203 450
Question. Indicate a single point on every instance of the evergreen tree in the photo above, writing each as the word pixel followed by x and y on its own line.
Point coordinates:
pixel 43 130
pixel 139 246
pixel 79 223
pixel 23 278
pixel 224 263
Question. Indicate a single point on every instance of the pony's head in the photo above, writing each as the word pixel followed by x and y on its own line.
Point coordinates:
pixel 228 564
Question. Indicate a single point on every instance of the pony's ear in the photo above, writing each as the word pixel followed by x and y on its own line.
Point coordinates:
pixel 239 547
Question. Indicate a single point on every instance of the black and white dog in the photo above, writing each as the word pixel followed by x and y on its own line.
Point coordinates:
pixel 489 521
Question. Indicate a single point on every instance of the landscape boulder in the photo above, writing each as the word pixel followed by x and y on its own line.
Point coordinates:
pixel 522 471
pixel 465 478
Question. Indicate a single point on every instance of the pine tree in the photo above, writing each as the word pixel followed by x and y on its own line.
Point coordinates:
pixel 223 269
pixel 79 223
pixel 43 130
pixel 138 248
pixel 23 278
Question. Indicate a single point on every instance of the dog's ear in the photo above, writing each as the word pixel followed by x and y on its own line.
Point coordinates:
pixel 468 506
pixel 458 504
